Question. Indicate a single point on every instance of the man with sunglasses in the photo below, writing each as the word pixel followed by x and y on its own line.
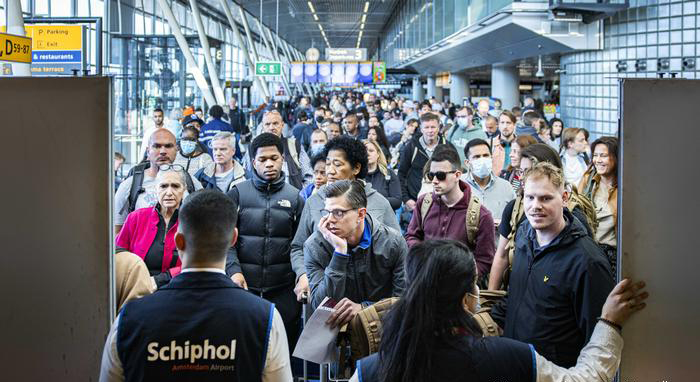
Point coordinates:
pixel 352 258
pixel 446 214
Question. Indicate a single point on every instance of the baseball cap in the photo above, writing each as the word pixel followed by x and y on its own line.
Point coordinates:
pixel 191 118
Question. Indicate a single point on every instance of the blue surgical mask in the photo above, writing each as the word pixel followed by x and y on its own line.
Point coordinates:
pixel 188 147
pixel 481 167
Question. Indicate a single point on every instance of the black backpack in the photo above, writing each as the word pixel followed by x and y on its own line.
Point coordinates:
pixel 136 173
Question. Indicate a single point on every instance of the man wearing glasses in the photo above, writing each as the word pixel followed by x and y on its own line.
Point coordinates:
pixel 352 258
pixel 444 213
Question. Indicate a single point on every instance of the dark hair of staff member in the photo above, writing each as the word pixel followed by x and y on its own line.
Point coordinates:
pixel 430 334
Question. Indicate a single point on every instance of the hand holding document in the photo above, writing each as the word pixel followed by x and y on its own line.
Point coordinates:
pixel 317 341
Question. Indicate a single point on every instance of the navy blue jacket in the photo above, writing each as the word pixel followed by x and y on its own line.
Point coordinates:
pixel 467 358
pixel 213 127
pixel 200 326
pixel 556 292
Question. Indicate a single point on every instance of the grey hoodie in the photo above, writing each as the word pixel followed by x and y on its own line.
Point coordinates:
pixel 377 207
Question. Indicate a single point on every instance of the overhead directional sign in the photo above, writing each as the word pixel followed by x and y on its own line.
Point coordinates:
pixel 269 68
pixel 346 54
pixel 58 49
pixel 15 48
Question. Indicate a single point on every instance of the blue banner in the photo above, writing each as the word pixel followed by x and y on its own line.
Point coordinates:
pixel 365 73
pixel 310 72
pixel 338 73
pixel 57 56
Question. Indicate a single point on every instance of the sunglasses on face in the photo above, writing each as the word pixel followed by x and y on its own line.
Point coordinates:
pixel 441 175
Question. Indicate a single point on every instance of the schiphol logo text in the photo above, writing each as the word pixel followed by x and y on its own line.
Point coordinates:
pixel 193 353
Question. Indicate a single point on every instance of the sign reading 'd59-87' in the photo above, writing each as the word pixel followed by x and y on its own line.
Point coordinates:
pixel 15 48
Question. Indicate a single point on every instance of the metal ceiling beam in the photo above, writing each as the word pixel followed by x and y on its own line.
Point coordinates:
pixel 206 51
pixel 246 53
pixel 191 62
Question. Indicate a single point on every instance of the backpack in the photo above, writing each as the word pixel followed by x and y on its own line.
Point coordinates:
pixel 366 328
pixel 137 174
pixel 472 216
pixel 487 300
pixel 575 200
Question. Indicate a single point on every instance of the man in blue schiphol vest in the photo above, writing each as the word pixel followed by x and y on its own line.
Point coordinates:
pixel 201 326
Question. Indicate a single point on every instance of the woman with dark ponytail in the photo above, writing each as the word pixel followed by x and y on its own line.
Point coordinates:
pixel 431 335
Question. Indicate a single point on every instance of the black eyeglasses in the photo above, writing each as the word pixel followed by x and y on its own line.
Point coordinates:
pixel 166 167
pixel 441 175
pixel 337 213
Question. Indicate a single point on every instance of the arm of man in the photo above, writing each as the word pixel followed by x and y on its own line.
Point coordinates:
pixel 592 289
pixel 326 276
pixel 304 229
pixel 277 364
pixel 485 243
pixel 394 197
pixel 404 168
pixel 415 233
pixel 111 369
pixel 398 281
pixel 306 169
pixel 233 265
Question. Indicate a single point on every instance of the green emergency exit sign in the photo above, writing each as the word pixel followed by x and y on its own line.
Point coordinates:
pixel 270 68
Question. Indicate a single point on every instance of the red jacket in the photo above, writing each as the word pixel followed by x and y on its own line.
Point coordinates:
pixel 442 222
pixel 138 233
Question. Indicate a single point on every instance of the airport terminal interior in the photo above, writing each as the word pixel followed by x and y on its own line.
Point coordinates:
pixel 349 190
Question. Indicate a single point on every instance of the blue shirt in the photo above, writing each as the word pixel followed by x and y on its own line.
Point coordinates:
pixel 366 240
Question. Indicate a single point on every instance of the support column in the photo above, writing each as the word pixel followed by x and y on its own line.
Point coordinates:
pixel 459 88
pixel 246 52
pixel 206 51
pixel 505 81
pixel 192 66
pixel 432 89
pixel 417 90
pixel 15 25
pixel 439 95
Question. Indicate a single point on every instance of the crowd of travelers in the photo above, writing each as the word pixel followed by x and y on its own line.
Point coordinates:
pixel 233 220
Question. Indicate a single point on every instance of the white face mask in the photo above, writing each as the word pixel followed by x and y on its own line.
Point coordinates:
pixel 481 167
pixel 188 147
pixel 317 148
pixel 462 121
pixel 476 296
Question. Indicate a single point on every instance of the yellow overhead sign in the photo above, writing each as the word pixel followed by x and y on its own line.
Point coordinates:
pixel 55 37
pixel 15 48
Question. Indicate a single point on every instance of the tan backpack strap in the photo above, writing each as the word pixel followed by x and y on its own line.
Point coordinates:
pixel 292 147
pixel 472 222
pixel 487 324
pixel 425 206
pixel 514 219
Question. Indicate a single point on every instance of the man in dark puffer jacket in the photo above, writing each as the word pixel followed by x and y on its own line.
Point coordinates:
pixel 269 211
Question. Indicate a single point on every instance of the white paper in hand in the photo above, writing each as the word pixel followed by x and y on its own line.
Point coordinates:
pixel 317 341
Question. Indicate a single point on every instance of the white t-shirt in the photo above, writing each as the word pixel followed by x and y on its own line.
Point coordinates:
pixel 149 198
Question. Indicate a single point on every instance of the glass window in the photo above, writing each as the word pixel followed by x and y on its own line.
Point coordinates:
pixel 83 8
pixel 97 8
pixel 41 7
pixel 61 8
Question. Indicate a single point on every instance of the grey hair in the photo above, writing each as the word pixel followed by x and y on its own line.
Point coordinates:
pixel 224 135
pixel 180 173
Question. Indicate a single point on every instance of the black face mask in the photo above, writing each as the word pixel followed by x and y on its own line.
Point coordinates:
pixel 319 119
